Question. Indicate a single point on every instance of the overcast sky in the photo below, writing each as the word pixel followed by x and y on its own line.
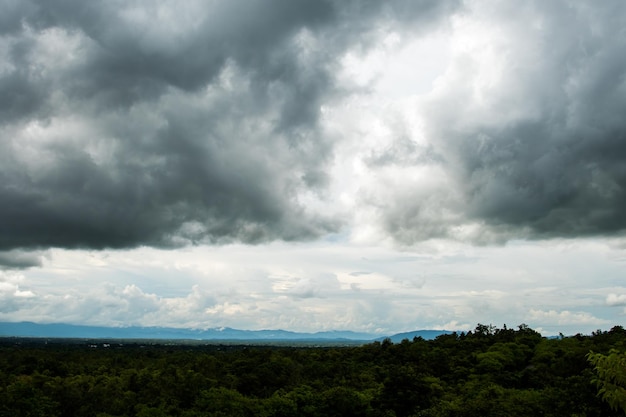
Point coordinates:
pixel 314 164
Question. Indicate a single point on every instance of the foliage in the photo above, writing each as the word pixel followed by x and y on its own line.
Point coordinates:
pixel 484 372
pixel 610 377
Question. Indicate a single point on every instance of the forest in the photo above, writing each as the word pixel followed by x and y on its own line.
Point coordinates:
pixel 485 372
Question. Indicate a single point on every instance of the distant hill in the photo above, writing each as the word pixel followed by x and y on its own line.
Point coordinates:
pixel 59 330
pixel 424 334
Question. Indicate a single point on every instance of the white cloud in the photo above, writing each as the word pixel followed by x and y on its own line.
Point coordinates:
pixel 318 286
pixel 10 285
pixel 565 317
pixel 616 299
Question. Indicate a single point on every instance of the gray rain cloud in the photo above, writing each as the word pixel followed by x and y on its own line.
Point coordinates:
pixel 129 123
pixel 527 130
pixel 161 123
pixel 16 259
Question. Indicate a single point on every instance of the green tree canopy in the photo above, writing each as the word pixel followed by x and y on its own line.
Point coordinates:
pixel 611 377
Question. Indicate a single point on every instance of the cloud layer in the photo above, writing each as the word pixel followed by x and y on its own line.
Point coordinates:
pixel 148 122
pixel 153 123
pixel 525 130
pixel 314 286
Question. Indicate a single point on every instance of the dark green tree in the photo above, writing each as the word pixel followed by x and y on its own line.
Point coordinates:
pixel 610 377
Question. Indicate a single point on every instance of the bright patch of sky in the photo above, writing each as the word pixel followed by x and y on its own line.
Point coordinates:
pixel 557 286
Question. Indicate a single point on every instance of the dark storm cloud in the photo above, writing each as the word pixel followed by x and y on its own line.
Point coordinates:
pixel 534 135
pixel 19 259
pixel 128 123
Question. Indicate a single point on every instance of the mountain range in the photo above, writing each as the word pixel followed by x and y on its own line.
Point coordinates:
pixel 61 330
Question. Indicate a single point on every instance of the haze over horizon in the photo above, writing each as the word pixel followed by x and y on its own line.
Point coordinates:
pixel 313 165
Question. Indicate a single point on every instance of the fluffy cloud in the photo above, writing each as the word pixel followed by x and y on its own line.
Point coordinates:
pixel 12 297
pixel 151 123
pixel 314 286
pixel 524 133
pixel 155 123
pixel 564 318
pixel 616 299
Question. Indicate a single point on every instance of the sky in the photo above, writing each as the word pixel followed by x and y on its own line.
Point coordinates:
pixel 313 165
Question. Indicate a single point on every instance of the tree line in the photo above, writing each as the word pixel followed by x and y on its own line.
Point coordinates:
pixel 489 371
